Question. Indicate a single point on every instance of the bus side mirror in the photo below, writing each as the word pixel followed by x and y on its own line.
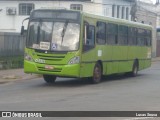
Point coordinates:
pixel 22 30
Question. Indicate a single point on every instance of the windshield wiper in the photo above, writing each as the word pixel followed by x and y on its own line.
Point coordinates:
pixel 64 30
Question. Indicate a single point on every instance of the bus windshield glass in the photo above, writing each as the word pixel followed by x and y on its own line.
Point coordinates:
pixel 53 36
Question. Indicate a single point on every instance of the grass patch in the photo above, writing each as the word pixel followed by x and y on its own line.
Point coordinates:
pixel 11 62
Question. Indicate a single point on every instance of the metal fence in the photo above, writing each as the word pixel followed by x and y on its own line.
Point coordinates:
pixel 11 50
pixel 11 44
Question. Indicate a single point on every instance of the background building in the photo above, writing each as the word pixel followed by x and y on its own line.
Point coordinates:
pixel 12 12
pixel 158 27
pixel 146 13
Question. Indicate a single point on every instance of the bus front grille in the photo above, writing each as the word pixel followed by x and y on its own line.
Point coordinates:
pixel 51 57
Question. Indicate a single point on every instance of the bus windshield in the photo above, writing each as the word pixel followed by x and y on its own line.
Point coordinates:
pixel 53 36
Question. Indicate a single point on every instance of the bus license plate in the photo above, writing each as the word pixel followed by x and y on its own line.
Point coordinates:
pixel 48 67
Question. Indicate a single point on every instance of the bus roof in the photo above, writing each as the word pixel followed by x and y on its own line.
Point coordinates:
pixel 105 18
pixel 116 20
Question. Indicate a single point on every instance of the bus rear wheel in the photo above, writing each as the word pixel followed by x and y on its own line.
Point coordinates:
pixel 97 73
pixel 135 68
pixel 49 78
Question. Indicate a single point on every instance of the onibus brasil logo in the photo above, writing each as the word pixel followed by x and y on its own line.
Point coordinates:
pixel 21 114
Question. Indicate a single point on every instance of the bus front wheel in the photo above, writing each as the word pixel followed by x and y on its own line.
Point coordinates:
pixel 97 73
pixel 49 78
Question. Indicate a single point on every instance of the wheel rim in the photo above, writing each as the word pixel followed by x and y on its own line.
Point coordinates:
pixel 97 73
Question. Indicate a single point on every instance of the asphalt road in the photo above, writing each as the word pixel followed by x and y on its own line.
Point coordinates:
pixel 115 93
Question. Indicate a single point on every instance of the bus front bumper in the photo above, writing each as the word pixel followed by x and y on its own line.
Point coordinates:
pixel 57 70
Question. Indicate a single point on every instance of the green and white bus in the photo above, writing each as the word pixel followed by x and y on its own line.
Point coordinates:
pixel 66 43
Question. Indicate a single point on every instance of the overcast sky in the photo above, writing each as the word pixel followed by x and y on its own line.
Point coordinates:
pixel 154 1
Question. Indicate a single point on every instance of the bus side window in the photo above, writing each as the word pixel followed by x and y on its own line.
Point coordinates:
pixel 141 37
pixel 112 34
pixel 89 37
pixel 123 35
pixel 132 33
pixel 148 38
pixel 101 32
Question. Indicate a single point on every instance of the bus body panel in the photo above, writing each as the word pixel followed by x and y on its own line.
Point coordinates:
pixel 59 70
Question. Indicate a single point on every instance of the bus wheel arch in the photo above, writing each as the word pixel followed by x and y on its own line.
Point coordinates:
pixel 97 72
pixel 101 63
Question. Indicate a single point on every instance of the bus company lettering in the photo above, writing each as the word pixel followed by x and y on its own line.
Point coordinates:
pixel 40 61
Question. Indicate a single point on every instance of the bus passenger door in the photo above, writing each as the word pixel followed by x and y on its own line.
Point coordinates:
pixel 88 53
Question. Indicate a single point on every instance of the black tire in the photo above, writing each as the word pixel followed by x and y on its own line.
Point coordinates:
pixel 97 73
pixel 135 68
pixel 49 78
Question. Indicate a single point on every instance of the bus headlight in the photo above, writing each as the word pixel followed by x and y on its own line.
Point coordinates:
pixel 74 60
pixel 27 57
